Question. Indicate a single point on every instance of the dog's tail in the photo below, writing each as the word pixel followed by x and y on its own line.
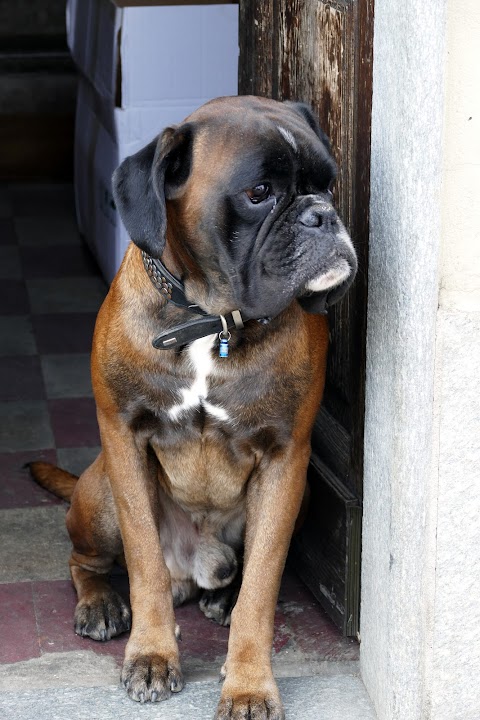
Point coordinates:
pixel 57 481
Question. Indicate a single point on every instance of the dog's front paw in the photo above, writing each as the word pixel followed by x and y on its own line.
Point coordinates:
pixel 253 707
pixel 260 703
pixel 151 677
pixel 102 617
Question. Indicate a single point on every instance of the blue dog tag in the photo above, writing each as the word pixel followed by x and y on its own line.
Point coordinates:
pixel 223 349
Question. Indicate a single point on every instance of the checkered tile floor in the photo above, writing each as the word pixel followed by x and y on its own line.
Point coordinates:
pixel 50 290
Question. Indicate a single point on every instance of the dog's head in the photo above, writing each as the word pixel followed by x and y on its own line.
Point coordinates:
pixel 241 192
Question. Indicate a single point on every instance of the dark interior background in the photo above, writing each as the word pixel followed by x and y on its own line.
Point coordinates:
pixel 37 91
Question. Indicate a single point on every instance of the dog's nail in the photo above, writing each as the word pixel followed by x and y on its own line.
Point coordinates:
pixel 103 635
pixel 176 684
pixel 154 696
pixel 141 697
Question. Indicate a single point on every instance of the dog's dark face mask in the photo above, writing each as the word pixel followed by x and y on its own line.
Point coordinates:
pixel 245 184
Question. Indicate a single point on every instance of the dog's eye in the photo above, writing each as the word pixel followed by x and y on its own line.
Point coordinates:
pixel 259 193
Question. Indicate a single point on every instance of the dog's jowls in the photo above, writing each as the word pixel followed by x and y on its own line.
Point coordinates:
pixel 203 462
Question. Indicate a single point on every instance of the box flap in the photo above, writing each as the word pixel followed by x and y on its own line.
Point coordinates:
pixel 171 53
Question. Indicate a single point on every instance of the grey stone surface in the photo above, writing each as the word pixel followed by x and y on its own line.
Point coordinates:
pixel 420 651
pixel 76 460
pixel 16 336
pixel 60 670
pixel 398 580
pixel 293 665
pixel 319 698
pixel 34 544
pixel 67 376
pixel 25 426
pixel 68 295
pixel 89 669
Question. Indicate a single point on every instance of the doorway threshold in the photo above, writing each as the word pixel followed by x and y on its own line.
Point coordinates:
pixel 331 697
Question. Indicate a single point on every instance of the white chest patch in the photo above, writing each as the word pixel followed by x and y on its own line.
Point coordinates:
pixel 200 357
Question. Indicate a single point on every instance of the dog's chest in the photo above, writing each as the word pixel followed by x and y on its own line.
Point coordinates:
pixel 210 430
pixel 193 397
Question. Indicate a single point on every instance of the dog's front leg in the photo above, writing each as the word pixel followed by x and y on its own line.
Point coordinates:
pixel 151 670
pixel 273 503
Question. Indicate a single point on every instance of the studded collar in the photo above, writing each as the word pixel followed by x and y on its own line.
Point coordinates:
pixel 174 291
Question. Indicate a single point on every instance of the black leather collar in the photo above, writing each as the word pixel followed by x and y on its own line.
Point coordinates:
pixel 173 290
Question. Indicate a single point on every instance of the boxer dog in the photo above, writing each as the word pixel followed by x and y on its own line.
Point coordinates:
pixel 208 368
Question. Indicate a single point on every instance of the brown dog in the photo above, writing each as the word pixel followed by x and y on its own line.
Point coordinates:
pixel 238 250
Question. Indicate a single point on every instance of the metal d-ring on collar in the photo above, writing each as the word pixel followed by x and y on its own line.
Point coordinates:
pixel 173 290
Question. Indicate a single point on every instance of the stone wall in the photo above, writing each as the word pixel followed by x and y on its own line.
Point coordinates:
pixel 420 651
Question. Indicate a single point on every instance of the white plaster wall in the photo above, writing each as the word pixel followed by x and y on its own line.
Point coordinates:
pixel 460 282
pixel 399 504
pixel 455 653
pixel 420 626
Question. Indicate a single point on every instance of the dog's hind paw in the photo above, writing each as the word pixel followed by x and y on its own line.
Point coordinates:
pixel 218 604
pixel 102 617
pixel 151 678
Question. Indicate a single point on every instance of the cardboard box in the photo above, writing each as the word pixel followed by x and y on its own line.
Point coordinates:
pixel 142 69
pixel 143 56
pixel 104 136
pixel 144 3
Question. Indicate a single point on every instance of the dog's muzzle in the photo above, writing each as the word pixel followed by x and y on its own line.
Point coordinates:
pixel 328 287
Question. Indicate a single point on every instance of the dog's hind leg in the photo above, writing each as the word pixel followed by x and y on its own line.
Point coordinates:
pixel 101 613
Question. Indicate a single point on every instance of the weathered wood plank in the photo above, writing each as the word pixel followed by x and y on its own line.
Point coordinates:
pixel 320 52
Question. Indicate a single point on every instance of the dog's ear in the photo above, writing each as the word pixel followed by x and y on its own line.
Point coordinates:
pixel 306 112
pixel 145 180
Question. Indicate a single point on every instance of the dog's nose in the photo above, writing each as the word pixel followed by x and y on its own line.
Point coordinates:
pixel 321 214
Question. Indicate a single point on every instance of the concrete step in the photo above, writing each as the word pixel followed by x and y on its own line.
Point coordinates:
pixel 340 697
